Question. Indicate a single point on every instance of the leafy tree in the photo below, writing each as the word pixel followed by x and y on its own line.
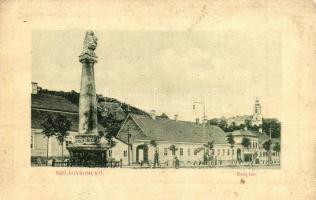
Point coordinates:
pixel 48 131
pixel 277 147
pixel 267 146
pixel 209 146
pixel 231 141
pixel 109 137
pixel 222 123
pixel 273 125
pixel 248 123
pixel 241 126
pixel 164 115
pixel 154 144
pixel 173 149
pixel 245 142
pixel 214 122
pixel 62 126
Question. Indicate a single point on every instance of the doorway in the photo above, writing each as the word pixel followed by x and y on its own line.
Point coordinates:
pixel 142 153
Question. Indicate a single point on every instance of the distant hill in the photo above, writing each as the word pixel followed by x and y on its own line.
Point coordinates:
pixel 114 115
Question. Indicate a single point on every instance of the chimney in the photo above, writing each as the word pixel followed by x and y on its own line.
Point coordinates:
pixel 34 88
pixel 197 120
pixel 153 114
pixel 175 117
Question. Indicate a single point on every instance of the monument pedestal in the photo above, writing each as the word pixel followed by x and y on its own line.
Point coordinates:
pixel 87 151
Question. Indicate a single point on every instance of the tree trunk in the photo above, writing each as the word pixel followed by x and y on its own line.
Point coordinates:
pixel 47 151
pixel 232 157
pixel 269 157
pixel 111 152
pixel 62 151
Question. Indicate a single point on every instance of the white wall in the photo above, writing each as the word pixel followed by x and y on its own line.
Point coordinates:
pixel 118 151
pixel 187 158
pixel 39 144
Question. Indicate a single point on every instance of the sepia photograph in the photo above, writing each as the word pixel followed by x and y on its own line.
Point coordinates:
pixel 156 99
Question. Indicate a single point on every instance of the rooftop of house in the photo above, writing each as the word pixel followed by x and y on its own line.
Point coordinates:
pixel 162 129
pixel 38 117
pixel 52 102
pixel 244 133
pixel 239 118
pixel 47 104
pixel 262 137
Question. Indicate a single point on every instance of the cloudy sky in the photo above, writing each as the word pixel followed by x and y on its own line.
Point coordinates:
pixel 168 71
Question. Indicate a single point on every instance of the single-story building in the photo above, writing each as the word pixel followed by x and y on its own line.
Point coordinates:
pixel 188 138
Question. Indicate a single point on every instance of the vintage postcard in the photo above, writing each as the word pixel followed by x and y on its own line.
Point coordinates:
pixel 158 100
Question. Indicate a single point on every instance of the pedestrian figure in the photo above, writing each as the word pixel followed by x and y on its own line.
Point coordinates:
pixel 205 159
pixel 156 159
pixel 177 163
pixel 39 161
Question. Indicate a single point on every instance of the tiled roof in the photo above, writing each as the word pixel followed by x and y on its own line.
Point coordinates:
pixel 239 118
pixel 53 102
pixel 46 104
pixel 39 116
pixel 243 133
pixel 163 129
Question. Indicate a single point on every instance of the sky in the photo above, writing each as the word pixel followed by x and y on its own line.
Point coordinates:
pixel 169 70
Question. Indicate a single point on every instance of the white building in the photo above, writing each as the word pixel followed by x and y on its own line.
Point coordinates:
pixel 188 137
pixel 255 150
pixel 43 105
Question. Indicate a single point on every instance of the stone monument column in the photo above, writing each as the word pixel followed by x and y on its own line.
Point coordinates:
pixel 87 101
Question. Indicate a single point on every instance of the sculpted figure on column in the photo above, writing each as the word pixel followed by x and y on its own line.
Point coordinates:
pixel 89 45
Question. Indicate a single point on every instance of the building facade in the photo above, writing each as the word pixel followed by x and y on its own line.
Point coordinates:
pixel 254 152
pixel 188 139
pixel 43 105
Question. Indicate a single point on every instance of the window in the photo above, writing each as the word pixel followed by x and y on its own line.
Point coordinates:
pixel 223 153
pixel 218 152
pixel 195 152
pixel 165 151
pixel 189 153
pixel 260 154
pixel 228 152
pixel 125 153
pixel 32 141
pixel 233 152
pixel 181 151
pixel 110 153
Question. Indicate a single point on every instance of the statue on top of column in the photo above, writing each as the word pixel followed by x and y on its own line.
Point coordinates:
pixel 89 45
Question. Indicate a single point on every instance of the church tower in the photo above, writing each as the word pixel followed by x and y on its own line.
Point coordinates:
pixel 257 116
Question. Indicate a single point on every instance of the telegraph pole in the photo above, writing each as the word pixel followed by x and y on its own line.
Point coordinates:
pixel 204 117
pixel 128 141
